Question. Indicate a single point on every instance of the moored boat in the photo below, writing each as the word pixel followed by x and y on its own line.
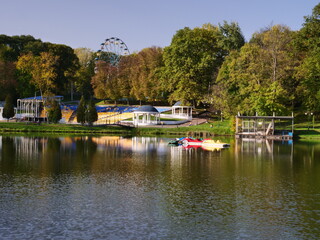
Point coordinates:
pixel 214 144
pixel 192 141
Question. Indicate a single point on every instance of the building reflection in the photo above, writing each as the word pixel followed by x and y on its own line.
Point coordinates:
pixel 263 148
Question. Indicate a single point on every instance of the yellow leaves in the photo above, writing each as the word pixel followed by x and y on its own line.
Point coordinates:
pixel 42 69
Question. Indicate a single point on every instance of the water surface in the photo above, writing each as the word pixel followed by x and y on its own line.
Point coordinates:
pixel 141 188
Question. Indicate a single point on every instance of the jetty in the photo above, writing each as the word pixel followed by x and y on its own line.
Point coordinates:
pixel 268 127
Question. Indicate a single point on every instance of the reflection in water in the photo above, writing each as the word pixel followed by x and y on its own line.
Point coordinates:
pixel 141 188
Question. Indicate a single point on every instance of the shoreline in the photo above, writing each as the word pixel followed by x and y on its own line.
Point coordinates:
pixel 202 130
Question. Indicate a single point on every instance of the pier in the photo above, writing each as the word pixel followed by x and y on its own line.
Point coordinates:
pixel 267 127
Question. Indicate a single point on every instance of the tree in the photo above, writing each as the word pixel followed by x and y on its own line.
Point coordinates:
pixel 307 43
pixel 145 78
pixel 42 70
pixel 67 64
pixel 260 77
pixel 54 112
pixel 85 72
pixel 15 45
pixel 8 81
pixel 91 114
pixel 105 81
pixel 194 57
pixel 8 109
pixel 81 111
pixel 231 36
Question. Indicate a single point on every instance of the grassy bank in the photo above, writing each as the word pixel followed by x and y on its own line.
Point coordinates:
pixel 60 128
pixel 203 130
pixel 302 130
pixel 219 128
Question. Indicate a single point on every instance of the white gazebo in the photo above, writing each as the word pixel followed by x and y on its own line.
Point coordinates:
pixel 32 107
pixel 181 111
pixel 146 115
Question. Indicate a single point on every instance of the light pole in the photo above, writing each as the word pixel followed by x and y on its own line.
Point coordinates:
pixel 310 114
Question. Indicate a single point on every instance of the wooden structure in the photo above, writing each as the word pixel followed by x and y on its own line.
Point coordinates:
pixel 263 127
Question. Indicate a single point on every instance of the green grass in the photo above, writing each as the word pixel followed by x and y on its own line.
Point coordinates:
pixel 302 130
pixel 218 128
pixel 60 128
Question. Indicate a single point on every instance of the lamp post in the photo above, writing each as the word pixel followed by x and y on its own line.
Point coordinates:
pixel 309 114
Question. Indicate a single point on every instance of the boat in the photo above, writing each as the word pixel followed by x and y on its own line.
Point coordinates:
pixel 192 141
pixel 209 143
pixel 176 142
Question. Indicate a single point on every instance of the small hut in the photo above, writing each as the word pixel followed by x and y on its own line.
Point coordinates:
pixel 181 111
pixel 146 115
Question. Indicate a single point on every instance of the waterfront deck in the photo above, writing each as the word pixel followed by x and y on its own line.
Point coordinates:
pixel 265 127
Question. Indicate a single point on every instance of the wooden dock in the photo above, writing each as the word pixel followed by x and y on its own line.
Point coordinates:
pixel 264 127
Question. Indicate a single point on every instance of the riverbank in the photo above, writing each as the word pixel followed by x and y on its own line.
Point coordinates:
pixel 217 128
pixel 206 129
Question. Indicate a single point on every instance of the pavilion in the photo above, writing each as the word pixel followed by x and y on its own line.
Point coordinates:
pixel 32 108
pixel 181 111
pixel 146 115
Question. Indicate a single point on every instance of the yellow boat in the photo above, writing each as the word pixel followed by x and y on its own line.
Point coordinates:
pixel 209 143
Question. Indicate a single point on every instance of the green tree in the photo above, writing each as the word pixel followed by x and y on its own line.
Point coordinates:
pixel 260 77
pixel 231 36
pixel 54 112
pixel 66 66
pixel 85 72
pixel 81 111
pixel 8 109
pixel 91 113
pixel 145 78
pixel 307 43
pixel 8 81
pixel 41 69
pixel 190 63
pixel 105 81
pixel 15 45
pixel 194 57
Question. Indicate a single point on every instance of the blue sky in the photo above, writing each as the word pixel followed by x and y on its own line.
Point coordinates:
pixel 141 23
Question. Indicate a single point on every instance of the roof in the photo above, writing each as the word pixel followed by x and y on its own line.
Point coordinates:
pixel 40 97
pixel 179 104
pixel 265 117
pixel 147 109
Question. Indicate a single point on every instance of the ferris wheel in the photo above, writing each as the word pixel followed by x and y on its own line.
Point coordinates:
pixel 111 51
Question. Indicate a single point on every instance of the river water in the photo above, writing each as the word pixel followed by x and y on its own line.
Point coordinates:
pixel 140 188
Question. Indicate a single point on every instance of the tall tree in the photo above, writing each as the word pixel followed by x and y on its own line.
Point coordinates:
pixel 54 112
pixel 145 77
pixel 67 64
pixel 81 111
pixel 85 72
pixel 8 109
pixel 194 57
pixel 260 77
pixel 8 81
pixel 191 61
pixel 91 114
pixel 105 81
pixel 41 69
pixel 307 43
